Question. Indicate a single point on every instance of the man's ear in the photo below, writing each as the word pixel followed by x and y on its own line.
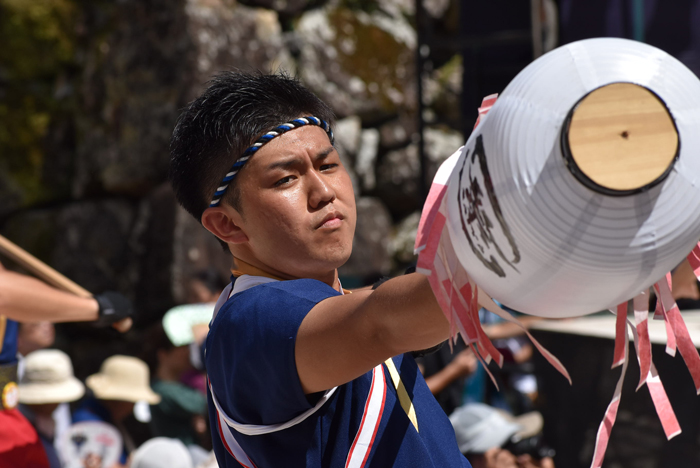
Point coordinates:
pixel 223 222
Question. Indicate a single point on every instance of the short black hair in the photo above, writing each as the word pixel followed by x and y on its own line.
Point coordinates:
pixel 214 130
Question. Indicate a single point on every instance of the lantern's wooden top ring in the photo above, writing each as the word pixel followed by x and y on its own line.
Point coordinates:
pixel 620 139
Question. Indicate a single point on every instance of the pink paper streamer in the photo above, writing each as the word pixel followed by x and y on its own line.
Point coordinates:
pixel 668 419
pixel 694 259
pixel 486 105
pixel 680 331
pixel 605 428
pixel 620 344
pixel 427 220
pixel 642 342
pixel 660 311
pixel 491 306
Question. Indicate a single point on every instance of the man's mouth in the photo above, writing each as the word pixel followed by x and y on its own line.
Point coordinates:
pixel 331 221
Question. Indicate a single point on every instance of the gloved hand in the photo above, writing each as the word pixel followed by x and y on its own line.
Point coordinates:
pixel 113 308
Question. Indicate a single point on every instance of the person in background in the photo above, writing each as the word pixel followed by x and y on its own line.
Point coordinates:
pixel 445 370
pixel 33 336
pixel 26 299
pixel 48 381
pixel 491 438
pixel 181 412
pixel 121 382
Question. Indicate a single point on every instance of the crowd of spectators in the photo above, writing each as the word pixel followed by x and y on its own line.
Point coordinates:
pixel 164 388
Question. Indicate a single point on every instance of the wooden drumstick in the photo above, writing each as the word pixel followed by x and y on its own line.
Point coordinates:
pixel 51 276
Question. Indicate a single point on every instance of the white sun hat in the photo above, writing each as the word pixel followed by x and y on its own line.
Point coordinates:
pixel 162 452
pixel 123 378
pixel 539 228
pixel 178 321
pixel 48 378
pixel 480 427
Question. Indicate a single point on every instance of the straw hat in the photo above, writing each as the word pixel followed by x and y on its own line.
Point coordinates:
pixel 48 378
pixel 123 378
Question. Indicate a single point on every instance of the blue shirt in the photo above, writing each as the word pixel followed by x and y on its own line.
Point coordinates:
pixel 251 367
pixel 8 350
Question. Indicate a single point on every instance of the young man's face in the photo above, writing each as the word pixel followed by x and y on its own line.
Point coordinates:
pixel 298 205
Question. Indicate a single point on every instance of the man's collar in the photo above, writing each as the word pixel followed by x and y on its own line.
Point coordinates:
pixel 244 268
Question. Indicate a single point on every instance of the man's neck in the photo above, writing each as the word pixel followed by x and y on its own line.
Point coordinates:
pixel 241 267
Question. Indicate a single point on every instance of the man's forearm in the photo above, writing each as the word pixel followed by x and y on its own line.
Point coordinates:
pixel 409 311
pixel 26 299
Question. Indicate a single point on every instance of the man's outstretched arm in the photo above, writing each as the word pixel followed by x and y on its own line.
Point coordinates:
pixel 27 299
pixel 345 336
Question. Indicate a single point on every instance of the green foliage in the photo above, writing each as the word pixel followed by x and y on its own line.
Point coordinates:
pixel 38 41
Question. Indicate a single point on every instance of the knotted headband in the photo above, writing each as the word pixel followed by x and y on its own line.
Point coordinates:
pixel 296 123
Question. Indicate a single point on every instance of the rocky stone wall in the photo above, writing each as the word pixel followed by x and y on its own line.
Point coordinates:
pixel 90 92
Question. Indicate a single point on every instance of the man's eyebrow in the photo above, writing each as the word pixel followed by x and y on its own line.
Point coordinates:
pixel 287 163
pixel 323 154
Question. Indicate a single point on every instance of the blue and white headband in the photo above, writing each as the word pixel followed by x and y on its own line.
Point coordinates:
pixel 296 123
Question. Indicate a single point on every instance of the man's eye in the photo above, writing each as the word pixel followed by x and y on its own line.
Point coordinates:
pixel 283 181
pixel 326 167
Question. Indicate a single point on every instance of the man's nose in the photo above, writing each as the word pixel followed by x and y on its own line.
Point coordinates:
pixel 321 191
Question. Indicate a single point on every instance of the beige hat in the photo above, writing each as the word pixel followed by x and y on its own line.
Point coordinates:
pixel 123 378
pixel 48 378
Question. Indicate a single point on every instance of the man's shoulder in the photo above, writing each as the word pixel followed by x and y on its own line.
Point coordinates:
pixel 279 293
pixel 275 302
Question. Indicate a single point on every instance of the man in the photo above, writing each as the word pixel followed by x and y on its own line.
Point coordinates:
pixel 301 373
pixel 26 299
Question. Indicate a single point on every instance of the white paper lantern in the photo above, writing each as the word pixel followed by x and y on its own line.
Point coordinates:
pixel 542 238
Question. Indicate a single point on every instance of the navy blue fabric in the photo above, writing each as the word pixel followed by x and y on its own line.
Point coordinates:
pixel 8 353
pixel 251 366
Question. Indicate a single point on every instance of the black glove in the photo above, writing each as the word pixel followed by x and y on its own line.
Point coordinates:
pixel 113 308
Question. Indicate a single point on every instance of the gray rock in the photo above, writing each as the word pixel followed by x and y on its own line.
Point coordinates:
pixel 347 133
pixel 366 157
pixel 347 136
pixel 88 241
pixel 92 245
pixel 442 89
pixel 404 238
pixel 400 131
pixel 195 250
pixel 134 69
pixel 284 7
pixel 230 36
pixel 360 63
pixel 11 194
pixel 397 180
pixel 440 143
pixel 370 249
pixel 172 248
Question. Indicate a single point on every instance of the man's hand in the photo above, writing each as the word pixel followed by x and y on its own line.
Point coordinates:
pixel 464 363
pixel 499 458
pixel 115 310
pixel 526 461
